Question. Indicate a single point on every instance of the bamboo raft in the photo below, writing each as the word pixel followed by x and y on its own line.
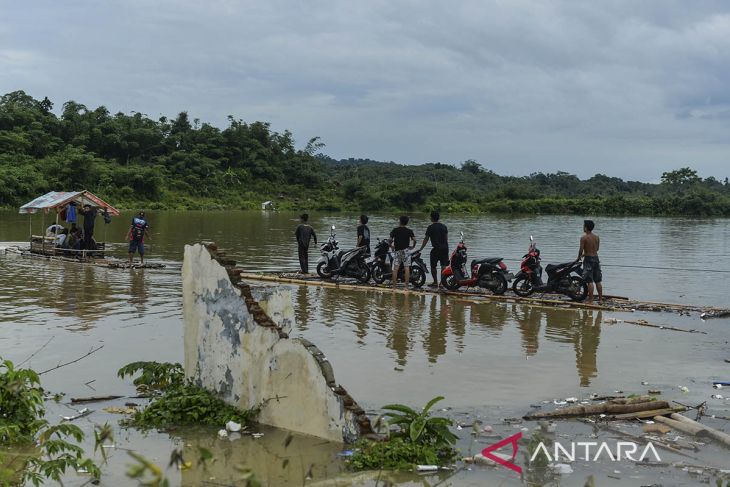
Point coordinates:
pixel 611 303
pixel 95 261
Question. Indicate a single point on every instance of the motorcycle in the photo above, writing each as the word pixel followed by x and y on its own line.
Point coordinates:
pixel 490 273
pixel 382 265
pixel 561 278
pixel 345 263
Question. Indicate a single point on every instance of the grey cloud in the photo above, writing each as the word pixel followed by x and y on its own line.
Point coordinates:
pixel 625 88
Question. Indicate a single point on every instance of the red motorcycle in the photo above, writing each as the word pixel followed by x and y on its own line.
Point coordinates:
pixel 490 273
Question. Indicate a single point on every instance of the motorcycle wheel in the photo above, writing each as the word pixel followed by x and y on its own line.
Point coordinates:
pixel 501 286
pixel 418 278
pixel 522 286
pixel 364 273
pixel 378 273
pixel 322 270
pixel 578 289
pixel 450 283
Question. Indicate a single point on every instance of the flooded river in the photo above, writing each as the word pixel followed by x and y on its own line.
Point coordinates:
pixel 491 361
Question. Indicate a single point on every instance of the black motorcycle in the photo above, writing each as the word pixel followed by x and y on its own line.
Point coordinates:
pixel 562 278
pixel 342 263
pixel 382 265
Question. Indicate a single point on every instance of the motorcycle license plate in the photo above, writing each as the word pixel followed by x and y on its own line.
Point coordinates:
pixel 509 276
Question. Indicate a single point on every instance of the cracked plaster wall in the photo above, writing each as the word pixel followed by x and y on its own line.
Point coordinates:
pixel 237 345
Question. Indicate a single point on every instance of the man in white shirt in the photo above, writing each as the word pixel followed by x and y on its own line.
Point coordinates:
pixel 54 230
pixel 61 238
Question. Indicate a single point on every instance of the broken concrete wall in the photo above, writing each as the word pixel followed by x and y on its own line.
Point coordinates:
pixel 234 348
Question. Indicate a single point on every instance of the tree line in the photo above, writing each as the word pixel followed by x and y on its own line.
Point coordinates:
pixel 135 161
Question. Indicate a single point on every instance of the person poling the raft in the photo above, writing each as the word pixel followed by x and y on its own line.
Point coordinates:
pixel 589 245
pixel 137 232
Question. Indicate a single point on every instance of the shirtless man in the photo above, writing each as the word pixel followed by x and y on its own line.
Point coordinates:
pixel 589 244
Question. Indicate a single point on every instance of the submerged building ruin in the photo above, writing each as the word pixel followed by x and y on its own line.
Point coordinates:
pixel 237 345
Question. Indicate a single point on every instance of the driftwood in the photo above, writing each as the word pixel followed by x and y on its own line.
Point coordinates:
pixel 656 428
pixel 631 400
pixel 77 400
pixel 690 429
pixel 594 409
pixel 718 435
pixel 649 413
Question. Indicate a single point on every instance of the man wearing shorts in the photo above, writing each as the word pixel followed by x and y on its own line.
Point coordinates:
pixel 402 240
pixel 589 245
pixel 439 236
pixel 137 232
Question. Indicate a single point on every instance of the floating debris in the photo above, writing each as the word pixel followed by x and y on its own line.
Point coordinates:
pixel 81 414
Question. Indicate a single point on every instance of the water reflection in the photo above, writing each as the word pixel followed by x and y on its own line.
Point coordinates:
pixel 441 326
pixel 77 296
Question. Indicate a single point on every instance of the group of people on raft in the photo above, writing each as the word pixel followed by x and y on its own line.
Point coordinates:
pixel 75 240
pixel 403 242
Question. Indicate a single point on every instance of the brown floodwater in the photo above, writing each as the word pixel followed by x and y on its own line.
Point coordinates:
pixel 490 361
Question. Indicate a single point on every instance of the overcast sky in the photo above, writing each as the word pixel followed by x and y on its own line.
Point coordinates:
pixel 625 88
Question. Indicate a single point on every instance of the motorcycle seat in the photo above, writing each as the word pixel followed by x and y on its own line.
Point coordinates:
pixel 554 267
pixel 487 260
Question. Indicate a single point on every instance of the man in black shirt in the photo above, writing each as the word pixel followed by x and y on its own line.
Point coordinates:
pixel 363 234
pixel 89 220
pixel 439 236
pixel 304 233
pixel 402 240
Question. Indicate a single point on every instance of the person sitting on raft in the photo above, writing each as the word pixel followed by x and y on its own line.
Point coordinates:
pixel 54 230
pixel 61 239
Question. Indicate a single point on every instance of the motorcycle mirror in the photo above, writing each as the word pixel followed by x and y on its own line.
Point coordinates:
pixel 333 227
pixel 462 235
pixel 531 239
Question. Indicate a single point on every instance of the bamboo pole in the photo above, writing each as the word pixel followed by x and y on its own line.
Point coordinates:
pixel 648 414
pixel 477 298
pixel 43 232
pixel 718 435
pixel 690 429
pixel 594 409
pixel 485 297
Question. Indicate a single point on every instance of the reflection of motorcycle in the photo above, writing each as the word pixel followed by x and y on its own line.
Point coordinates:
pixel 560 277
pixel 344 263
pixel 490 273
pixel 382 265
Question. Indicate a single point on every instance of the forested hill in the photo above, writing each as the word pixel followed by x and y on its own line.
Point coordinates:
pixel 135 161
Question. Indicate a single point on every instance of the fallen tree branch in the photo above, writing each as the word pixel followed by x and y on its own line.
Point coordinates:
pixel 36 352
pixel 72 361
pixel 78 400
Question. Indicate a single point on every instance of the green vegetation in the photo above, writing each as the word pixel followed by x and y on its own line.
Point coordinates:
pixel 176 401
pixel 420 439
pixel 135 161
pixel 33 450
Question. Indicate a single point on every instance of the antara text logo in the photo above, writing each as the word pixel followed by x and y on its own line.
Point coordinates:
pixel 589 451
